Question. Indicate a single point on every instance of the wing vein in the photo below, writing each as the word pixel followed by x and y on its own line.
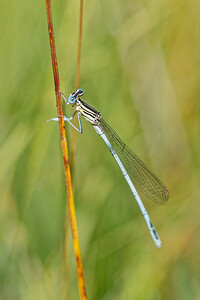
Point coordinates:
pixel 142 177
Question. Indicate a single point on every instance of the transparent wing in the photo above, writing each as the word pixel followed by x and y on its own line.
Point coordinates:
pixel 143 178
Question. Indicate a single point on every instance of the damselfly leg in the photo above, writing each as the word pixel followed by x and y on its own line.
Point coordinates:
pixel 80 130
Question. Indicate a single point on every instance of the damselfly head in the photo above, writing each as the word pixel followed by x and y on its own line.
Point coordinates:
pixel 72 97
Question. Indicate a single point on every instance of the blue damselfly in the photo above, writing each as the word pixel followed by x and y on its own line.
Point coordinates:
pixel 133 169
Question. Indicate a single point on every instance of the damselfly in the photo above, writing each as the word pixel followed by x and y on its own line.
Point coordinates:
pixel 133 169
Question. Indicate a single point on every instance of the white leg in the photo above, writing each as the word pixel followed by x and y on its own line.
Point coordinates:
pixel 64 98
pixel 79 122
pixel 80 130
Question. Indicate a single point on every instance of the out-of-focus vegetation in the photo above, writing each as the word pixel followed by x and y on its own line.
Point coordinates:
pixel 140 68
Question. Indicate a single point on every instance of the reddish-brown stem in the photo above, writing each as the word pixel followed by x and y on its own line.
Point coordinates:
pixel 72 214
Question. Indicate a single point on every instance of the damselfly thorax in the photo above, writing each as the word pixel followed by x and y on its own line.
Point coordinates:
pixel 88 112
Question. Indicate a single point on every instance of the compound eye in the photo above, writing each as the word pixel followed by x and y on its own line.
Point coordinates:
pixel 71 99
pixel 80 92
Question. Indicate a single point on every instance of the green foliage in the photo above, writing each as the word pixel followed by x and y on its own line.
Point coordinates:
pixel 140 68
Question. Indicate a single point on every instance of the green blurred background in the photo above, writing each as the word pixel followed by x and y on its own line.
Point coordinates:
pixel 140 68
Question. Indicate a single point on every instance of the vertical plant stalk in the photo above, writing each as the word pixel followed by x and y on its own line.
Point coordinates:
pixel 74 133
pixel 66 250
pixel 72 214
